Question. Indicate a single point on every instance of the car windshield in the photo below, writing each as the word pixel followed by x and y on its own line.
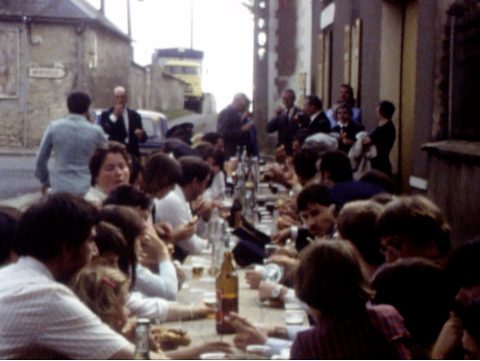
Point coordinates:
pixel 148 126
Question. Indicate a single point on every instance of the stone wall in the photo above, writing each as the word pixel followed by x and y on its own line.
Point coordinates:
pixel 167 92
pixel 114 64
pixel 137 87
pixel 93 59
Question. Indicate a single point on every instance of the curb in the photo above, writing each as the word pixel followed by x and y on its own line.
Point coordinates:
pixel 18 151
pixel 22 202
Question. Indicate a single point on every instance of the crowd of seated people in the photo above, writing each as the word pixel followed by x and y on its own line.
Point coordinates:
pixel 374 270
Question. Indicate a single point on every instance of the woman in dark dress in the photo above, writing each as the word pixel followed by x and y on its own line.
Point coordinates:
pixel 383 137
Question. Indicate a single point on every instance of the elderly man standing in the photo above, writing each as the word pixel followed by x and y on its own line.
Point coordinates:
pixel 123 124
pixel 231 125
pixel 73 140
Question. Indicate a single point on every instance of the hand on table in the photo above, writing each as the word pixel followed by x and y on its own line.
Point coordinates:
pixel 246 332
pixel 253 278
pixel 281 236
pixel 288 263
pixel 266 288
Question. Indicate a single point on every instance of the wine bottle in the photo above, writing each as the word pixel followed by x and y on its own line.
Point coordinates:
pixel 227 294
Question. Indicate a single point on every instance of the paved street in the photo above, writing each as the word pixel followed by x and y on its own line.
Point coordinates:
pixel 18 184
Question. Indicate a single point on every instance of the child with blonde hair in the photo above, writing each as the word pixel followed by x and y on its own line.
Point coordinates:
pixel 105 289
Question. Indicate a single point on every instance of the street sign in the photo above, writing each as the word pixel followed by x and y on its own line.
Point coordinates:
pixel 46 73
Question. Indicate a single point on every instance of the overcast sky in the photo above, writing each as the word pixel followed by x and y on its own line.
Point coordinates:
pixel 223 29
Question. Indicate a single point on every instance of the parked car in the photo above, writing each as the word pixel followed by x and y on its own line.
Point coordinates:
pixel 155 125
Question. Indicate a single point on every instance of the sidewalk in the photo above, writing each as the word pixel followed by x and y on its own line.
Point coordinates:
pixel 22 202
pixel 18 151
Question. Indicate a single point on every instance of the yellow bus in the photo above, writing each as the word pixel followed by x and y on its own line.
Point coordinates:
pixel 185 64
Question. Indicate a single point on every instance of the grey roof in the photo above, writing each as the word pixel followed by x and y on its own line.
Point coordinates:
pixel 51 10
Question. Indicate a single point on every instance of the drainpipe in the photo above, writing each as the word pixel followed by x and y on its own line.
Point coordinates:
pixel 454 12
pixel 79 81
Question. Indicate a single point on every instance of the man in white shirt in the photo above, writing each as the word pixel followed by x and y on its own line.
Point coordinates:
pixel 41 317
pixel 71 141
pixel 175 207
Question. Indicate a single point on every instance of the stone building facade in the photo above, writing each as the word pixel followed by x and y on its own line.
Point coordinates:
pixel 395 50
pixel 48 51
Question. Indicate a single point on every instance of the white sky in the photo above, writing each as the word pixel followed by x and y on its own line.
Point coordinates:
pixel 223 29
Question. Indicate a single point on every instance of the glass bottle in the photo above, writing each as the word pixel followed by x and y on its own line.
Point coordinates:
pixel 227 294
pixel 142 332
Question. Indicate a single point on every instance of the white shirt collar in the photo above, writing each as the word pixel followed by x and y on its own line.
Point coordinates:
pixel 313 116
pixel 35 264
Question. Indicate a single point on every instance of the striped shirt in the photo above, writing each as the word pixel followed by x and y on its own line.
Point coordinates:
pixel 41 318
pixel 377 333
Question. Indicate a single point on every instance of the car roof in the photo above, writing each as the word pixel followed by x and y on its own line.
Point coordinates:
pixel 152 114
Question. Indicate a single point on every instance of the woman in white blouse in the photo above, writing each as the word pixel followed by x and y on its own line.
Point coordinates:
pixel 109 168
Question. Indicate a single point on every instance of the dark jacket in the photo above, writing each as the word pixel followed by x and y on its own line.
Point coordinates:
pixel 229 126
pixel 351 130
pixel 286 127
pixel 117 130
pixel 320 124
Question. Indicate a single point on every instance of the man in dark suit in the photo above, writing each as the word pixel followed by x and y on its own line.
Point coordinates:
pixel 318 121
pixel 231 125
pixel 123 124
pixel 284 122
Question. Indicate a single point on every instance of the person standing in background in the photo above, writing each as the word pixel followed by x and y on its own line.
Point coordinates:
pixel 284 121
pixel 383 137
pixel 230 124
pixel 345 95
pixel 317 120
pixel 73 141
pixel 123 124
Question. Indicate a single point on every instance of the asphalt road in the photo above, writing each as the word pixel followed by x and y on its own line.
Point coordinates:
pixel 17 176
pixel 18 185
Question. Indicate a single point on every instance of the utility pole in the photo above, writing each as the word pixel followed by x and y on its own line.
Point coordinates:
pixel 191 24
pixel 129 20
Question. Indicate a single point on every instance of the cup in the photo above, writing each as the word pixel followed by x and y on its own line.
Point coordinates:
pixel 258 352
pixel 210 300
pixel 293 306
pixel 206 283
pixel 197 270
pixel 187 271
pixel 294 317
pixel 195 295
pixel 213 356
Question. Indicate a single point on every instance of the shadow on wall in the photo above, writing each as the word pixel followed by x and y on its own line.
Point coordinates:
pixel 286 49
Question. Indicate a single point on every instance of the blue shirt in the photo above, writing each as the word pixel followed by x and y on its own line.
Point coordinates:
pixel 73 140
